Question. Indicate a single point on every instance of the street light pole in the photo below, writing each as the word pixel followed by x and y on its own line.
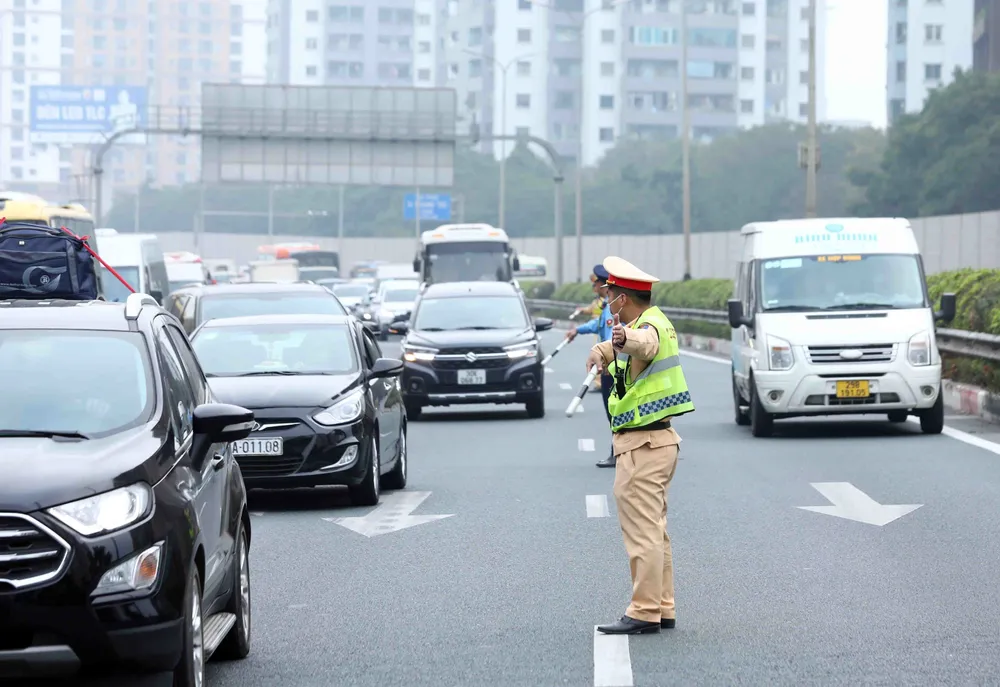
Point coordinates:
pixel 685 144
pixel 812 153
pixel 503 146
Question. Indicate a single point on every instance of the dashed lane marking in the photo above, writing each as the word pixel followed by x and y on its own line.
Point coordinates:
pixel 566 387
pixel 612 662
pixel 549 370
pixel 585 444
pixel 597 506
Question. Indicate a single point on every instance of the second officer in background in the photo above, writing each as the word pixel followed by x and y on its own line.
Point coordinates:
pixel 649 390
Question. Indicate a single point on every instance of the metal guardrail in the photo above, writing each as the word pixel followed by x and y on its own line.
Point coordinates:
pixel 954 341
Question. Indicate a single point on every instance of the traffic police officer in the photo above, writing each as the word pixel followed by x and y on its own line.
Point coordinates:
pixel 600 325
pixel 649 389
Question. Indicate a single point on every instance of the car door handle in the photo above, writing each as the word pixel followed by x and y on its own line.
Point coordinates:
pixel 218 461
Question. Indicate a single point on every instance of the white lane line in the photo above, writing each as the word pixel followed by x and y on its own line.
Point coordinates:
pixel 965 438
pixel 612 662
pixel 597 506
pixel 579 408
pixel 549 370
pixel 585 445
pixel 709 358
pixel 256 515
pixel 566 387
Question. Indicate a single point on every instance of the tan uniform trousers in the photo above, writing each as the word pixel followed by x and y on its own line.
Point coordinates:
pixel 642 480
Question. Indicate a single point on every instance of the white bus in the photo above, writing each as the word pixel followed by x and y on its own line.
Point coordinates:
pixel 465 252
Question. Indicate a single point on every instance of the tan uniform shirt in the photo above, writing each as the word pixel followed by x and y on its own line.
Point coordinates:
pixel 642 345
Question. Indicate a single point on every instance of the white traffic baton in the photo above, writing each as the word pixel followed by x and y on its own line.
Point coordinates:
pixel 550 356
pixel 578 399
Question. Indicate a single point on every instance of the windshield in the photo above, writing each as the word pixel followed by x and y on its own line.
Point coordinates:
pixel 399 295
pixel 114 290
pixel 315 273
pixel 351 290
pixel 830 282
pixel 74 381
pixel 244 305
pixel 177 285
pixel 450 262
pixel 487 312
pixel 275 349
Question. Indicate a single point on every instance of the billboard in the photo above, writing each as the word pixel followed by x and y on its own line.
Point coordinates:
pixel 328 135
pixel 86 114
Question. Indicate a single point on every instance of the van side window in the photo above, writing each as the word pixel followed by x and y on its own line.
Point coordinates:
pixel 751 288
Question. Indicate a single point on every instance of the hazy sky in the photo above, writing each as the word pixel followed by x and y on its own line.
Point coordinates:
pixel 855 60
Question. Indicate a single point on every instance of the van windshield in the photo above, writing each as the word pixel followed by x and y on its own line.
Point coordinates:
pixel 842 282
pixel 114 290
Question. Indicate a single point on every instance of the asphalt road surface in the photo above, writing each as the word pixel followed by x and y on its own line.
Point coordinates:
pixel 507 589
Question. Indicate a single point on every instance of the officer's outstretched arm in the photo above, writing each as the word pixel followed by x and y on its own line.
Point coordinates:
pixel 606 350
pixel 642 343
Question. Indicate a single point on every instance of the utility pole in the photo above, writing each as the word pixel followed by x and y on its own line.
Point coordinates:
pixel 812 148
pixel 270 212
pixel 340 218
pixel 685 144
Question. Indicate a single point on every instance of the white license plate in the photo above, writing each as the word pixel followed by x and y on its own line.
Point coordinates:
pixel 259 447
pixel 472 376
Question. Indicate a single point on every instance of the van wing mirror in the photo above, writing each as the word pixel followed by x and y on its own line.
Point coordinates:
pixel 947 312
pixel 736 316
pixel 416 265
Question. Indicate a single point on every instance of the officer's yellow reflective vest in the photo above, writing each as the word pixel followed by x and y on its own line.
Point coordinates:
pixel 660 390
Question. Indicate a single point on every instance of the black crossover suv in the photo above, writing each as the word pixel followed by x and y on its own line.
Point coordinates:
pixel 124 532
pixel 472 342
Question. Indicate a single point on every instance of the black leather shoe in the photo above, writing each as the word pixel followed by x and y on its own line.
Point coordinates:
pixel 629 626
pixel 608 462
pixel 668 623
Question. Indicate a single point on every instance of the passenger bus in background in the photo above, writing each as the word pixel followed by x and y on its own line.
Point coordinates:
pixel 26 207
pixel 185 269
pixel 531 267
pixel 139 260
pixel 465 252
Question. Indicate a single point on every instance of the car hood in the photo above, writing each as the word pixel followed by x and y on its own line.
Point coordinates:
pixel 275 391
pixel 467 338
pixel 848 328
pixel 38 473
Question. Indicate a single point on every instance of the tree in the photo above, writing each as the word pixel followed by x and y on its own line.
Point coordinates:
pixel 942 160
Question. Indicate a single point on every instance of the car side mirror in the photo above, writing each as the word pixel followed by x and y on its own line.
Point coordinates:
pixel 387 367
pixel 157 295
pixel 416 265
pixel 543 324
pixel 222 423
pixel 516 264
pixel 736 316
pixel 399 327
pixel 948 308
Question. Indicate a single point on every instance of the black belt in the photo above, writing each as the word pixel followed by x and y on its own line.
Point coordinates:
pixel 652 427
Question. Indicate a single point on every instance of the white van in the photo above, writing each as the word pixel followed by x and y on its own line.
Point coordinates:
pixel 138 258
pixel 832 317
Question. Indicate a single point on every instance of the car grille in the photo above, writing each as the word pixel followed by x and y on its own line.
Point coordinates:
pixel 871 353
pixel 276 424
pixel 269 466
pixel 486 359
pixel 30 553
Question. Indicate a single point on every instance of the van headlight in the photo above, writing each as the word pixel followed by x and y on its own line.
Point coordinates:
pixel 348 409
pixel 107 512
pixel 413 354
pixel 522 350
pixel 918 349
pixel 779 354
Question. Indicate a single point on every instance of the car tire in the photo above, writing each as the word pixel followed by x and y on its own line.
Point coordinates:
pixel 369 491
pixel 898 415
pixel 190 670
pixel 536 407
pixel 742 416
pixel 396 479
pixel 413 410
pixel 932 419
pixel 236 645
pixel 761 421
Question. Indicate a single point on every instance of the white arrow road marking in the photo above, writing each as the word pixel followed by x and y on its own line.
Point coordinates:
pixel 579 408
pixel 565 386
pixel 585 444
pixel 391 515
pixel 597 506
pixel 851 503
pixel 612 662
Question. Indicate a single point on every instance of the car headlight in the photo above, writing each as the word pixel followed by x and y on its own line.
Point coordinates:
pixel 347 409
pixel 522 350
pixel 413 354
pixel 918 350
pixel 366 316
pixel 107 512
pixel 779 354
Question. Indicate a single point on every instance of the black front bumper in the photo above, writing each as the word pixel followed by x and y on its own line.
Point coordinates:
pixel 59 626
pixel 312 452
pixel 433 384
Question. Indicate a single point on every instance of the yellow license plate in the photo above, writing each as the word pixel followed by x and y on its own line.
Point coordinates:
pixel 853 389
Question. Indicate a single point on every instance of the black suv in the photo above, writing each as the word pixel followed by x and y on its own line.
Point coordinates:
pixel 472 342
pixel 194 305
pixel 124 532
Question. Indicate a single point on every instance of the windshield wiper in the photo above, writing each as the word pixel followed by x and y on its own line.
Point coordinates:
pixel 263 373
pixel 431 329
pixel 790 308
pixel 480 328
pixel 862 306
pixel 41 433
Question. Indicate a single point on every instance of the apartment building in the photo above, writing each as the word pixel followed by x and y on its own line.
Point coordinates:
pixel 928 40
pixel 586 73
pixel 986 36
pixel 352 42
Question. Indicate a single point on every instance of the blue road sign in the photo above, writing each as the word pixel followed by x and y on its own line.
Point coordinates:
pixel 86 114
pixel 433 206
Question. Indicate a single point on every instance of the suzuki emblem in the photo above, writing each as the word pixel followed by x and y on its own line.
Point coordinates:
pixel 471 357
